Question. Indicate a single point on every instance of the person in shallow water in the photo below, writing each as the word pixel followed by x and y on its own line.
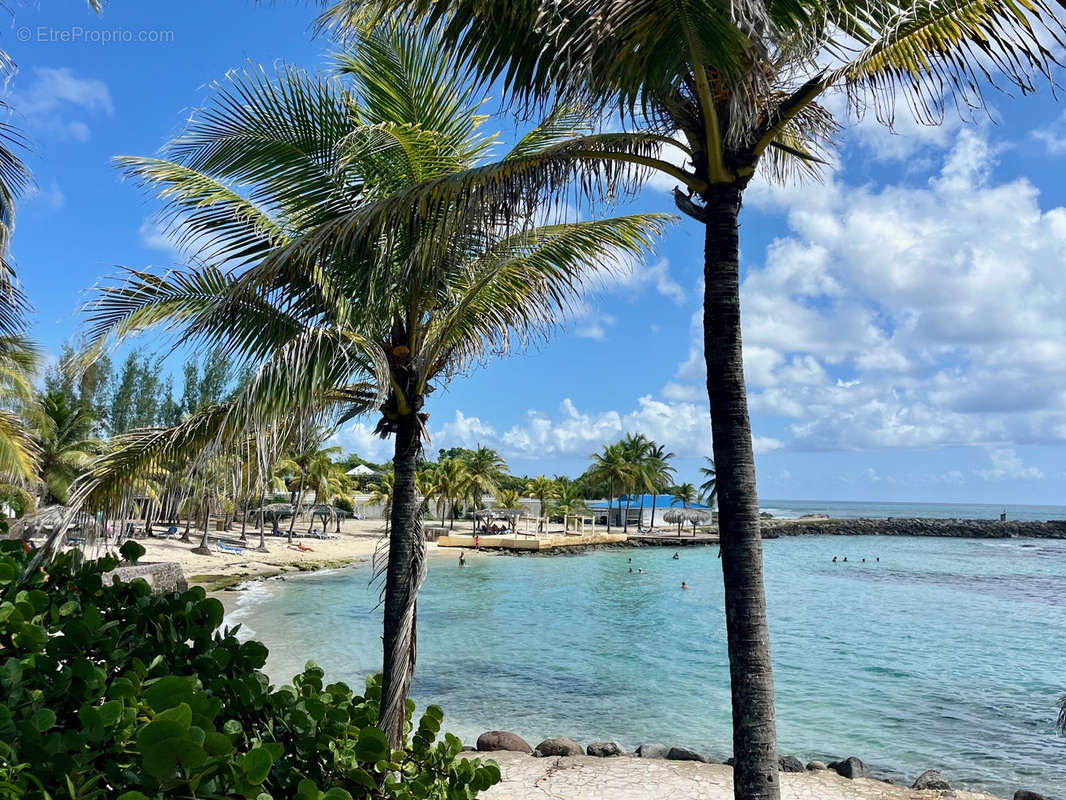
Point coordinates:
pixel 462 559
pixel 676 556
pixel 630 570
pixel 834 559
pixel 684 585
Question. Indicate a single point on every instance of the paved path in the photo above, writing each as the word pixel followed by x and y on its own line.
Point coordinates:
pixel 589 778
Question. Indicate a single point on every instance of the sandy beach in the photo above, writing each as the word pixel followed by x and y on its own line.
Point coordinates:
pixel 588 778
pixel 357 541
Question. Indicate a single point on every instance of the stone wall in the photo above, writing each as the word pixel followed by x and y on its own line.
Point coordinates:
pixel 962 528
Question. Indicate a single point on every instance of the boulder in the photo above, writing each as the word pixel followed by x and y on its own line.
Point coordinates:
pixel 1025 794
pixel 789 764
pixel 814 766
pixel 654 750
pixel 558 746
pixel 851 767
pixel 502 740
pixel 931 779
pixel 684 754
pixel 163 577
pixel 605 749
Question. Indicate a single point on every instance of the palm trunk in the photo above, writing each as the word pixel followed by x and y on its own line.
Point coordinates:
pixel 610 501
pixel 202 548
pixel 262 529
pixel 625 522
pixel 751 674
pixel 654 497
pixel 296 507
pixel 641 523
pixel 244 525
pixel 403 577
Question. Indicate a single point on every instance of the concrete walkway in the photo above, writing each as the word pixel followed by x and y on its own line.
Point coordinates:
pixel 589 778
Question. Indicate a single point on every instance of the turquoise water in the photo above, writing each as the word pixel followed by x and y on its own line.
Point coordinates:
pixel 946 654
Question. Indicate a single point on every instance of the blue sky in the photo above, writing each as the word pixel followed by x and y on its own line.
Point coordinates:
pixel 903 321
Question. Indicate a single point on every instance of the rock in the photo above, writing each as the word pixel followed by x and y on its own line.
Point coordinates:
pixel 467 748
pixel 163 577
pixel 654 750
pixel 730 761
pixel 789 764
pixel 605 749
pixel 851 767
pixel 558 746
pixel 1025 794
pixel 502 740
pixel 931 779
pixel 816 765
pixel 684 754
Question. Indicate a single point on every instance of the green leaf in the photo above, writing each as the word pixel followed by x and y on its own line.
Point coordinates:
pixel 132 796
pixel 168 692
pixel 371 746
pixel 256 764
pixel 43 719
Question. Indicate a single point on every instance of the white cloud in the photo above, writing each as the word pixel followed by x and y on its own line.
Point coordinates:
pixel 903 316
pixel 1007 464
pixel 53 94
pixel 594 325
pixel 682 426
pixel 656 275
pixel 359 437
pixel 1053 135
pixel 51 196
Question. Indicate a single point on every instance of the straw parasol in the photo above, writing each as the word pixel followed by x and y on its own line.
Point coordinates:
pixel 277 510
pixel 695 516
pixel 44 522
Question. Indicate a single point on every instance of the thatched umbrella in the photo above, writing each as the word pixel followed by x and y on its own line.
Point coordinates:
pixel 697 516
pixel 47 520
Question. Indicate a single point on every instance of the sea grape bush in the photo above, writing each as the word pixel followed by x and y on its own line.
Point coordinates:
pixel 109 691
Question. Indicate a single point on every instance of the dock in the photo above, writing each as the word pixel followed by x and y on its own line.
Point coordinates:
pixel 524 542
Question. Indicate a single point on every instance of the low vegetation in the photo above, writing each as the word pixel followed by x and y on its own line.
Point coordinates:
pixel 112 692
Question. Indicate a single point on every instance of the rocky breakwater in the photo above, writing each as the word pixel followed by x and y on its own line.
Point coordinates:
pixel 959 528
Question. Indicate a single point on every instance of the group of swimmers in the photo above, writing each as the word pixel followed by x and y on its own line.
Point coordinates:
pixel 640 570
pixel 845 560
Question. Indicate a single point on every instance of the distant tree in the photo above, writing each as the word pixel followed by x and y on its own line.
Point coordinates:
pixel 612 465
pixel 169 408
pixel 65 444
pixel 484 468
pixel 146 394
pixel 190 393
pixel 121 413
pixel 661 473
pixel 542 489
pixel 709 487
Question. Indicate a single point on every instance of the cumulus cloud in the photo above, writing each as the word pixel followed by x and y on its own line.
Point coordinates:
pixel 53 94
pixel 657 276
pixel 1053 135
pixel 903 316
pixel 682 426
pixel 359 437
pixel 1007 464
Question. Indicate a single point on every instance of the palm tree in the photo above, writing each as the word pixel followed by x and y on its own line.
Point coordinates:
pixel 660 472
pixel 449 485
pixel 542 489
pixel 65 445
pixel 18 448
pixel 382 492
pixel 613 467
pixel 732 88
pixel 569 501
pixel 709 487
pixel 282 180
pixel 685 493
pixel 484 467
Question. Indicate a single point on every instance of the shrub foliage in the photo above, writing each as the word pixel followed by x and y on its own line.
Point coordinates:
pixel 109 691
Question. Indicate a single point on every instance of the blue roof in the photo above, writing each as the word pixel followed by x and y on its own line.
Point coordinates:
pixel 661 501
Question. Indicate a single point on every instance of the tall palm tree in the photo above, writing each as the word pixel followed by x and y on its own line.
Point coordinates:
pixel 637 449
pixel 281 180
pixel 382 492
pixel 18 448
pixel 542 489
pixel 612 466
pixel 731 88
pixel 484 467
pixel 661 474
pixel 709 487
pixel 684 493
pixel 450 480
pixel 65 444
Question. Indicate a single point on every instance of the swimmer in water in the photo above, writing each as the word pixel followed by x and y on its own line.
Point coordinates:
pixel 630 570
pixel 640 571
pixel 676 556
pixel 834 559
pixel 684 585
pixel 462 559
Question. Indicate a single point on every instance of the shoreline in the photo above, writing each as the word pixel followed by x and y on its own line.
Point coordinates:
pixel 915 526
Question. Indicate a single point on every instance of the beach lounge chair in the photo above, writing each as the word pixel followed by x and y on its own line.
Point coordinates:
pixel 225 548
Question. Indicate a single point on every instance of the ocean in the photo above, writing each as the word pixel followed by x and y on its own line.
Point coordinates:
pixel 945 653
pixel 792 509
